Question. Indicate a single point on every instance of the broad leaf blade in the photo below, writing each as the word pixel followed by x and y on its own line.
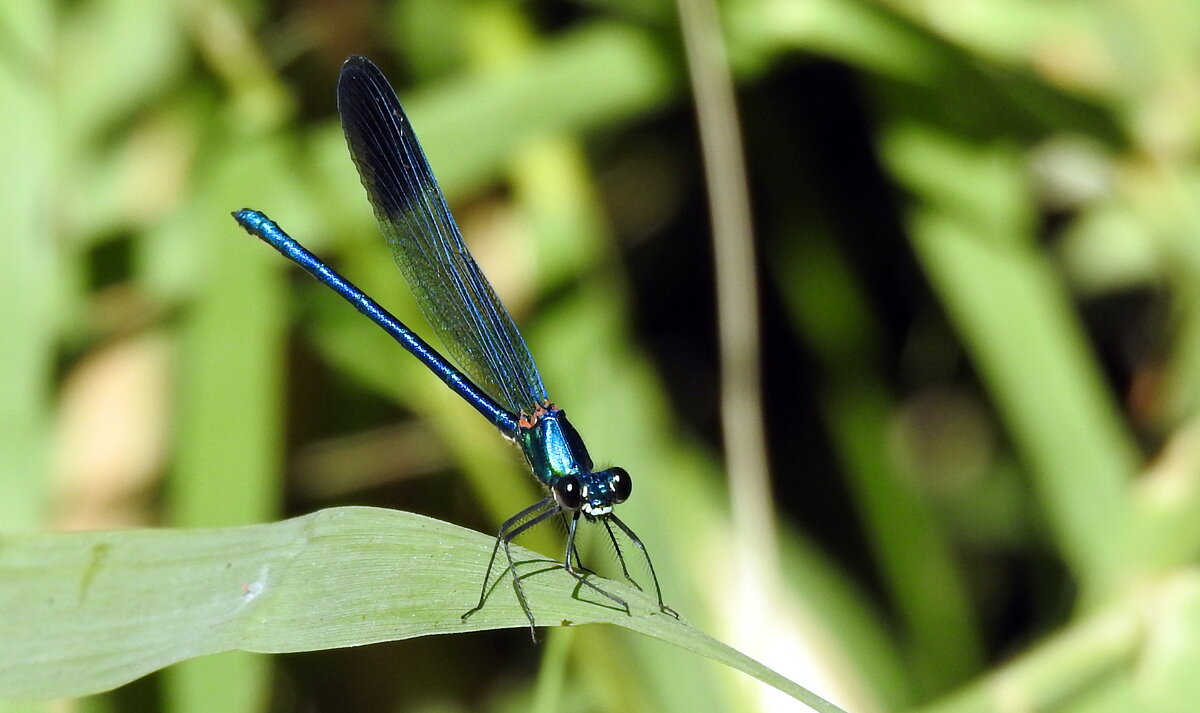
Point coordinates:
pixel 86 612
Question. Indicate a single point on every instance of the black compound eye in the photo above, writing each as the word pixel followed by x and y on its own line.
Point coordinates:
pixel 621 484
pixel 567 492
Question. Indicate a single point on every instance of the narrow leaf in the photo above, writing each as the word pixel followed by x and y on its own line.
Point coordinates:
pixel 85 612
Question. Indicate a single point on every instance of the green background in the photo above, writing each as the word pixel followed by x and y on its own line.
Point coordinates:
pixel 977 231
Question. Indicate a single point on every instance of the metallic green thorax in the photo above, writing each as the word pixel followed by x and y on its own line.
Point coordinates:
pixel 553 447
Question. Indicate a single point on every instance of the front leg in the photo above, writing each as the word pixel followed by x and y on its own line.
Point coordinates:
pixel 581 578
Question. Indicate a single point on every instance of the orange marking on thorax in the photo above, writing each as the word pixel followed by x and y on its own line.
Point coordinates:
pixel 527 421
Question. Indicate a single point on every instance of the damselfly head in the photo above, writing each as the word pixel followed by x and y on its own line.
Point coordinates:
pixel 593 493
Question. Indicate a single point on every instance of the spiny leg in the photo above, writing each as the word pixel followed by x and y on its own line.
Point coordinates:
pixel 649 564
pixel 574 549
pixel 513 565
pixel 583 580
pixel 504 536
pixel 620 556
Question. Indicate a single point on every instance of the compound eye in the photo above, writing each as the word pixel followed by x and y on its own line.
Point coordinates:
pixel 621 484
pixel 567 492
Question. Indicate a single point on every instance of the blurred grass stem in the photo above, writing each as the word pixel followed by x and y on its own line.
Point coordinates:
pixel 755 543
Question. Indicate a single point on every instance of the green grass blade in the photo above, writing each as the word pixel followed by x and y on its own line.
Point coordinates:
pixel 228 415
pixel 973 235
pixel 86 612
pixel 1117 658
pixel 28 308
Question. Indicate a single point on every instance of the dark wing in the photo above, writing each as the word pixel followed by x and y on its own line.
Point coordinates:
pixel 452 291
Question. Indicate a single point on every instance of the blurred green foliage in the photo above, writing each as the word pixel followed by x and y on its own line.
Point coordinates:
pixel 978 228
